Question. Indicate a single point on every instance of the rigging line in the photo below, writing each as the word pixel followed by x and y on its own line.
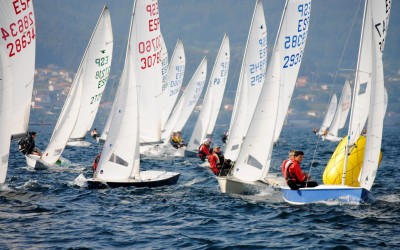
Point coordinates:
pixel 340 61
pixel 344 48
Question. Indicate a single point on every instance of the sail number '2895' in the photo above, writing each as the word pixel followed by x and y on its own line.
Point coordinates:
pixel 298 39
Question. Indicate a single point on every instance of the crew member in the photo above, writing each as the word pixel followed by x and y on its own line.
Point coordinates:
pixel 204 150
pixel 295 178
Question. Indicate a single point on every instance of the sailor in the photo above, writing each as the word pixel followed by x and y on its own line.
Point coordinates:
pixel 94 133
pixel 96 162
pixel 224 137
pixel 216 160
pixel 174 140
pixel 204 150
pixel 295 178
pixel 27 145
pixel 291 158
pixel 179 139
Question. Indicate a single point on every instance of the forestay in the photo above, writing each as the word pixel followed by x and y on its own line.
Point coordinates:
pixel 213 98
pixel 251 79
pixel 187 102
pixel 255 156
pixel 97 65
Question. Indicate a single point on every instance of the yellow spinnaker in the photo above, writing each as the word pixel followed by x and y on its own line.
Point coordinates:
pixel 334 169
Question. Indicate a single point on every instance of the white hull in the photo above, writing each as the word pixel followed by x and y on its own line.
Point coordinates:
pixel 232 185
pixel 34 161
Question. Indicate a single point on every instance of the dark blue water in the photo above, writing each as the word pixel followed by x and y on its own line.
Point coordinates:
pixel 46 210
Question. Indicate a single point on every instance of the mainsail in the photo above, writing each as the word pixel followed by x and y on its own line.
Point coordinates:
pixel 187 102
pixel 92 61
pixel 213 98
pixel 251 80
pixel 97 63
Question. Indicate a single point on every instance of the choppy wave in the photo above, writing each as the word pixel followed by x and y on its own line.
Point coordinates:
pixel 53 209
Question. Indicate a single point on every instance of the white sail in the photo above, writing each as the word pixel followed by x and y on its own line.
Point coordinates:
pixel 330 113
pixel 292 61
pixel 213 98
pixel 251 79
pixel 147 40
pixel 97 69
pixel 19 43
pixel 93 61
pixel 106 128
pixel 187 102
pixel 163 98
pixel 176 73
pixel 65 122
pixel 6 93
pixel 7 17
pixel 379 12
pixel 362 84
pixel 342 111
pixel 255 156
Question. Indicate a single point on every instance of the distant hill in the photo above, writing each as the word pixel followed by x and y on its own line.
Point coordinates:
pixel 65 26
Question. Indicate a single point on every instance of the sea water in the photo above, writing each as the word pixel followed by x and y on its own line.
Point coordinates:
pixel 51 209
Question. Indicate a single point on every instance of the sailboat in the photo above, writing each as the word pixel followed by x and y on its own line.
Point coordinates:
pixel 95 77
pixel 251 80
pixel 119 164
pixel 212 100
pixel 330 114
pixel 341 114
pixel 251 169
pixel 186 103
pixel 17 69
pixel 368 102
pixel 95 59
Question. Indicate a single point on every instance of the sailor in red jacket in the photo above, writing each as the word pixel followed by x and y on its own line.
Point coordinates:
pixel 216 160
pixel 294 175
pixel 291 158
pixel 204 150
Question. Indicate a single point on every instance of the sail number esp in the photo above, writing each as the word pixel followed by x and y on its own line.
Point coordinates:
pixel 298 40
pixel 21 32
